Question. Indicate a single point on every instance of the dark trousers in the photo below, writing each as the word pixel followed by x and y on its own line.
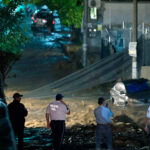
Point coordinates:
pixel 19 132
pixel 101 132
pixel 149 136
pixel 58 129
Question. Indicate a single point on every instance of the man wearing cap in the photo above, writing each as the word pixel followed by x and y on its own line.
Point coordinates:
pixel 103 129
pixel 17 114
pixel 56 112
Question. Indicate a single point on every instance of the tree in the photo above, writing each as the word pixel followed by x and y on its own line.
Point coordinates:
pixel 70 11
pixel 12 35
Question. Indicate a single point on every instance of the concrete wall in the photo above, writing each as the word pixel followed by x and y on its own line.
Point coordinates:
pixel 115 13
pixel 145 72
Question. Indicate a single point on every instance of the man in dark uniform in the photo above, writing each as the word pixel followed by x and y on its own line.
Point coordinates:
pixel 56 112
pixel 17 114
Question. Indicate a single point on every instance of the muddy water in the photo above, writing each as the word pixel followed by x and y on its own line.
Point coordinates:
pixel 81 112
pixel 127 125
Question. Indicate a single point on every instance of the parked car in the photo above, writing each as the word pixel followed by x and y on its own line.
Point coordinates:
pixel 43 20
pixel 134 92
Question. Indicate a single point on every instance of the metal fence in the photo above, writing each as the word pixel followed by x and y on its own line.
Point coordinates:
pixel 117 39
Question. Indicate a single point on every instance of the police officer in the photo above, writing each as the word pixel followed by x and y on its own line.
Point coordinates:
pixel 56 112
pixel 103 129
pixel 17 114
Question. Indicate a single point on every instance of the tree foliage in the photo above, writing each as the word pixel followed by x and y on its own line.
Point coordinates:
pixel 70 11
pixel 11 35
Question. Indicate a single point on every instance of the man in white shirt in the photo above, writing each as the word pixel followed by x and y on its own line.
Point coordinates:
pixel 56 112
pixel 147 125
pixel 102 115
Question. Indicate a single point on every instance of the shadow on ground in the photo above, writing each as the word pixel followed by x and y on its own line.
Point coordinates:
pixel 126 136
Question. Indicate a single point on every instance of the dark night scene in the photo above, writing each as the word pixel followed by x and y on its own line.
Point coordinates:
pixel 74 75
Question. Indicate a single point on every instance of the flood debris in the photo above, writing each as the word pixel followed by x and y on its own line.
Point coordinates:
pixel 126 136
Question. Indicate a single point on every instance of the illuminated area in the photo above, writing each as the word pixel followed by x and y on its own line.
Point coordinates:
pixel 61 61
pixel 93 13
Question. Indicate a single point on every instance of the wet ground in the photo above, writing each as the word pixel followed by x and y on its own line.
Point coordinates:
pixel 127 125
pixel 41 59
pixel 40 65
pixel 125 137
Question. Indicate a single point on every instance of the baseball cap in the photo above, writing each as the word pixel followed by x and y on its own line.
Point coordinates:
pixel 59 96
pixel 17 95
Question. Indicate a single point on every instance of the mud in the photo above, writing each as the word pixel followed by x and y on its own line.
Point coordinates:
pixel 127 125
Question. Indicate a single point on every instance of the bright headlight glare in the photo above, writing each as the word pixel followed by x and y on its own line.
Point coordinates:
pixel 44 21
pixel 94 30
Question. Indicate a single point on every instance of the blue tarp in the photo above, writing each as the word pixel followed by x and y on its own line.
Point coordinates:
pixel 134 87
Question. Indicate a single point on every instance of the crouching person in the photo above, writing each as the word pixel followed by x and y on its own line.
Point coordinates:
pixel 103 129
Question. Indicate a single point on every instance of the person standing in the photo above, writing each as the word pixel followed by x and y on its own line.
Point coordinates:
pixel 7 138
pixel 147 125
pixel 56 112
pixel 102 114
pixel 17 114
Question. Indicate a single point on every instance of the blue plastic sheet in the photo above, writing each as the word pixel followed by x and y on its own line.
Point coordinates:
pixel 133 87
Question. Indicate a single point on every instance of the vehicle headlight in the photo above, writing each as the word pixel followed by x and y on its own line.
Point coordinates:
pixel 44 21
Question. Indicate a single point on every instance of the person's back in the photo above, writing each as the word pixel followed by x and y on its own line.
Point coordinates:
pixel 17 112
pixel 103 129
pixel 55 118
pixel 102 115
pixel 57 111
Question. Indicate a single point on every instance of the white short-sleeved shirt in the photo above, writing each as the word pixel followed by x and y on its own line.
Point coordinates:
pixel 148 112
pixel 57 111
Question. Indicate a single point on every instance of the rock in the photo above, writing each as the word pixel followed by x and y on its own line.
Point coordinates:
pixel 119 124
pixel 139 130
pixel 128 124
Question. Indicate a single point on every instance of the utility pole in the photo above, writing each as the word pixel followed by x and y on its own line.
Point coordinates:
pixel 85 22
pixel 135 20
pixel 109 14
pixel 135 35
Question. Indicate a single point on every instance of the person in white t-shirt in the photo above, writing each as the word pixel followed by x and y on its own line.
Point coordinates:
pixel 147 125
pixel 55 118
